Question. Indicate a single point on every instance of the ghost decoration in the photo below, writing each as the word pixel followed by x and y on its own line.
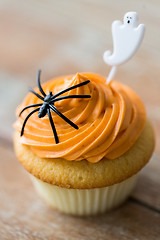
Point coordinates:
pixel 127 38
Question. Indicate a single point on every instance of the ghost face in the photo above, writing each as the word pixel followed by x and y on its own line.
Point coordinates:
pixel 131 19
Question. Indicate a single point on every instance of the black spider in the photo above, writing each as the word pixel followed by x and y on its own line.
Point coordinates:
pixel 48 105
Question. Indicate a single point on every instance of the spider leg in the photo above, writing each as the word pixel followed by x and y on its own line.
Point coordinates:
pixel 24 123
pixel 54 109
pixel 70 96
pixel 53 126
pixel 29 106
pixel 39 96
pixel 70 88
pixel 39 84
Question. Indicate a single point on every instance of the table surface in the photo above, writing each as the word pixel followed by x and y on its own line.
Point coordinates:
pixel 63 37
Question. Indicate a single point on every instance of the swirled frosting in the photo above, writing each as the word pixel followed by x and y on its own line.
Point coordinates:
pixel 109 122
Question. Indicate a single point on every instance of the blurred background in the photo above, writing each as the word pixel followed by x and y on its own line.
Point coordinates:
pixel 67 36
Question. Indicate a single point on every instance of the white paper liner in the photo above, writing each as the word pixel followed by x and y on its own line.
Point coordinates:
pixel 85 202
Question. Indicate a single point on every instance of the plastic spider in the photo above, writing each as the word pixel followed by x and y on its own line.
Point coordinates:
pixel 48 105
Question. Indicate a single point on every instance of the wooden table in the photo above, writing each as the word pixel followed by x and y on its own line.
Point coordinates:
pixel 63 37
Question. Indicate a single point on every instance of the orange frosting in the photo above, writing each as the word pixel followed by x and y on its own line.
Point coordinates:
pixel 109 122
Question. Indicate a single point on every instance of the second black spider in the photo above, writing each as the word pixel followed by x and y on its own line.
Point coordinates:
pixel 48 105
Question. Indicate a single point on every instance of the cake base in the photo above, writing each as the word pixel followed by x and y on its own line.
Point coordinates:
pixel 85 202
pixel 83 174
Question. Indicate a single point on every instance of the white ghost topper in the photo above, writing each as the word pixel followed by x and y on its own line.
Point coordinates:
pixel 127 37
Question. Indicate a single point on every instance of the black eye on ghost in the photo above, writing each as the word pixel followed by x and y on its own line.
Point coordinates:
pixel 128 21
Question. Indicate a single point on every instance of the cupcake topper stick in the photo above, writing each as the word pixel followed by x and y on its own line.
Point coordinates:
pixel 127 38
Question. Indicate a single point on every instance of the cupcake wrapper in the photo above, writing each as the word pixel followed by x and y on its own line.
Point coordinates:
pixel 85 202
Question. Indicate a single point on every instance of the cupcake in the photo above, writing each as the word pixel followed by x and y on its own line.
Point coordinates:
pixel 83 142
